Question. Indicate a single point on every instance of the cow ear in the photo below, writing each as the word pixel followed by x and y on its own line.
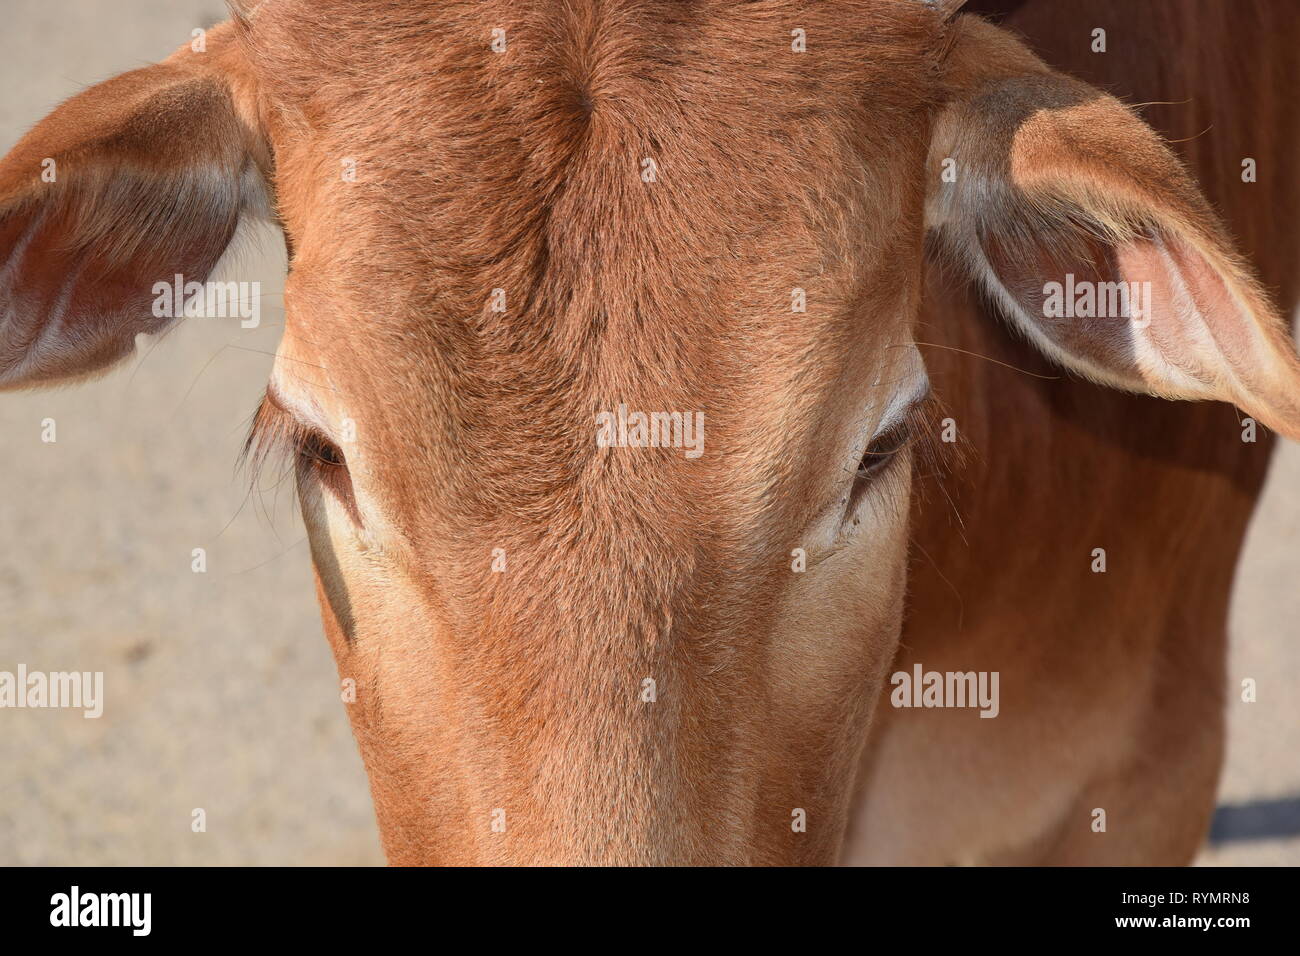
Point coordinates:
pixel 123 187
pixel 1091 236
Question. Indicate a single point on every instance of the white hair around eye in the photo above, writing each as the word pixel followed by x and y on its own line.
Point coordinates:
pixel 902 386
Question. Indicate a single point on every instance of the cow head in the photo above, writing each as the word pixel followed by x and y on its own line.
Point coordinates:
pixel 597 376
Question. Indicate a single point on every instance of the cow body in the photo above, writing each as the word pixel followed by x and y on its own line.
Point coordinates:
pixel 1113 683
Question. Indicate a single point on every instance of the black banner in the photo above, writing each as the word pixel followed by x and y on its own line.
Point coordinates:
pixel 305 905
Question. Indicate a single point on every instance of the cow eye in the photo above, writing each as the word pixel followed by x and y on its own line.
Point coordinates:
pixel 322 460
pixel 882 450
pixel 316 449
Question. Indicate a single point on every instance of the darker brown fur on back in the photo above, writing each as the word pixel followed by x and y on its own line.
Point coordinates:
pixel 1060 467
pixel 646 183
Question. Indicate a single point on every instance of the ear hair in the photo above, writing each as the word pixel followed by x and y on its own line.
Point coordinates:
pixel 1058 186
pixel 124 186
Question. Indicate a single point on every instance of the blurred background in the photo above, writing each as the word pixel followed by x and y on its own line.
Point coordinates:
pixel 221 690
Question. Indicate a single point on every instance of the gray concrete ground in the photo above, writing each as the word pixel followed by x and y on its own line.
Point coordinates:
pixel 222 693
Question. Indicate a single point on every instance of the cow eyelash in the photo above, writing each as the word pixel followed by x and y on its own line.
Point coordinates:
pixel 883 449
pixel 275 433
pixel 315 448
pixel 914 430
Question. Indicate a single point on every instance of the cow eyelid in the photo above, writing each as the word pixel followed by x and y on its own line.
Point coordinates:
pixel 884 447
pixel 277 433
pixel 913 427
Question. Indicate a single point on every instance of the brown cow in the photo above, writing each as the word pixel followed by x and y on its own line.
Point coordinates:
pixel 522 231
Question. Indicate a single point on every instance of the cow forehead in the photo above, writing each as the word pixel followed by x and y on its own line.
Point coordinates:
pixel 493 249
pixel 522 357
pixel 588 136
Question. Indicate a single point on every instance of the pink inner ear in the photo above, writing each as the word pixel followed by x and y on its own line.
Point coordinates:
pixel 1197 329
pixel 1191 331
pixel 1211 337
pixel 1196 321
pixel 1068 257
